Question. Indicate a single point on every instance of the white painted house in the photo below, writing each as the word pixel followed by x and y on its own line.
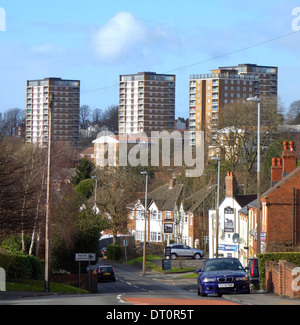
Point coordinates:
pixel 229 222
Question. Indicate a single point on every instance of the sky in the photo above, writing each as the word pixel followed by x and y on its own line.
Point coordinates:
pixel 95 41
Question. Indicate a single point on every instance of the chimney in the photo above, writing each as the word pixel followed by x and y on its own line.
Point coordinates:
pixel 229 185
pixel 172 183
pixel 289 158
pixel 276 171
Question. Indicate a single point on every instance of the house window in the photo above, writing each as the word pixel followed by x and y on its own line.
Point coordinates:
pixel 153 215
pixel 139 235
pixel 186 217
pixel 155 236
pixel 168 214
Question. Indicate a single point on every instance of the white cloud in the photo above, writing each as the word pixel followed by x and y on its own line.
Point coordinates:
pixel 125 36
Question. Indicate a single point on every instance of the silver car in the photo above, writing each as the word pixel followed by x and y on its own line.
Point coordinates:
pixel 181 250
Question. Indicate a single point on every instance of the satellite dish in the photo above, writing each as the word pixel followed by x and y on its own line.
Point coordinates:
pixel 252 232
pixel 240 241
pixel 235 237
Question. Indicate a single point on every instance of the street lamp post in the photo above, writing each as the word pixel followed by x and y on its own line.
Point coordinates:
pixel 145 227
pixel 257 100
pixel 218 205
pixel 48 199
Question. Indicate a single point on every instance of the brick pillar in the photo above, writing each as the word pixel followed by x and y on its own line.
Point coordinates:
pixel 281 277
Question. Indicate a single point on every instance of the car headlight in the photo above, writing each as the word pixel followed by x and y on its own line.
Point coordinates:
pixel 242 278
pixel 205 280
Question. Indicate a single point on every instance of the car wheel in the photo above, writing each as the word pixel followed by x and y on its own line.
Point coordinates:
pixel 200 292
pixel 173 256
pixel 197 256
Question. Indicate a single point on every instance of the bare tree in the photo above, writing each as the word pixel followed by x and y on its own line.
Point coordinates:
pixel 116 189
pixel 293 114
pixel 237 136
pixel 85 112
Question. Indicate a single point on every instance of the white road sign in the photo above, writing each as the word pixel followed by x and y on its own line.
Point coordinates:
pixel 85 257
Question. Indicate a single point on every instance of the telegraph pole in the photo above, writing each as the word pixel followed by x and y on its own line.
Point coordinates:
pixel 47 231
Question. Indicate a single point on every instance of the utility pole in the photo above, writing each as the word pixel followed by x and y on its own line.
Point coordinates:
pixel 145 226
pixel 47 231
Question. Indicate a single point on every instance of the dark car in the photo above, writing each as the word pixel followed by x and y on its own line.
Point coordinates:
pixel 182 250
pixel 106 272
pixel 103 251
pixel 253 271
pixel 140 247
pixel 222 275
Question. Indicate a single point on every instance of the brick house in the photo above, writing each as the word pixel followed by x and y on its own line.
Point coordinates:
pixel 280 208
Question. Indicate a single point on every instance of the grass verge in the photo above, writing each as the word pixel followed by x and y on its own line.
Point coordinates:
pixel 38 286
pixel 158 268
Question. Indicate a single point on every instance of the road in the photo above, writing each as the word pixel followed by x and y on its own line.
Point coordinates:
pixel 130 288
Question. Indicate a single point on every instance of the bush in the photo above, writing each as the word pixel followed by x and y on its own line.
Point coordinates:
pixel 19 266
pixel 292 257
pixel 114 252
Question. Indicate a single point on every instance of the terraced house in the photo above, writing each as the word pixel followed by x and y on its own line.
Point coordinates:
pixel 174 214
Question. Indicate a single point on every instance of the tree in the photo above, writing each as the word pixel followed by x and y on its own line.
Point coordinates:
pixel 97 115
pixel 110 118
pixel 10 120
pixel 85 188
pixel 85 111
pixel 116 189
pixel 83 170
pixel 20 186
pixel 237 137
pixel 293 114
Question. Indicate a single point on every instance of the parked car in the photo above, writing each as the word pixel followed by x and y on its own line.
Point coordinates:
pixel 140 247
pixel 181 250
pixel 103 251
pixel 222 275
pixel 106 272
pixel 253 271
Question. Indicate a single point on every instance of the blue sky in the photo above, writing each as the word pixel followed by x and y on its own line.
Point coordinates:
pixel 95 41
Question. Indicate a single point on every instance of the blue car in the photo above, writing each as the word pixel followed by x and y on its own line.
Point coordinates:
pixel 222 275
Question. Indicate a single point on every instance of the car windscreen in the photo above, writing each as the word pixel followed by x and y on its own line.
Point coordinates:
pixel 217 265
pixel 105 269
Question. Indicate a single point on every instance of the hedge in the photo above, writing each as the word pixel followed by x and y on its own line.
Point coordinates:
pixel 292 257
pixel 114 252
pixel 19 266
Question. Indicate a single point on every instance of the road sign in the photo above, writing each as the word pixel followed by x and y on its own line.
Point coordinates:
pixel 166 265
pixel 85 257
pixel 167 251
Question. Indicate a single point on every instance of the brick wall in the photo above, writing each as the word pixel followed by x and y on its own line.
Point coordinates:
pixel 279 278
pixel 72 279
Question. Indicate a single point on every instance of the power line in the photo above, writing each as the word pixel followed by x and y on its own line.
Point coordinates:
pixel 211 59
pixel 233 52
